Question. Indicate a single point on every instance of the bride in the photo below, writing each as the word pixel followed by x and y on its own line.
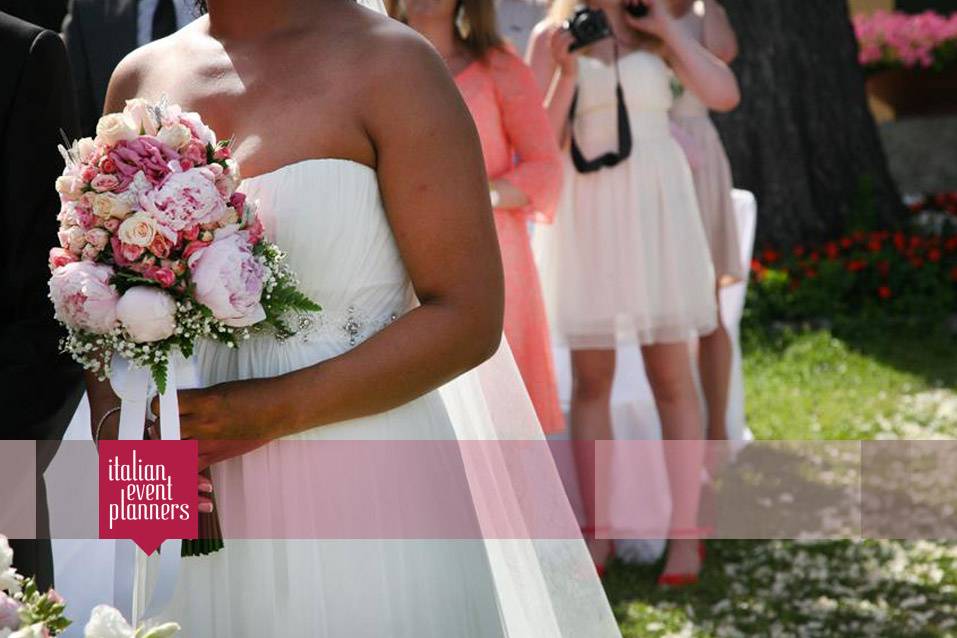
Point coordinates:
pixel 369 174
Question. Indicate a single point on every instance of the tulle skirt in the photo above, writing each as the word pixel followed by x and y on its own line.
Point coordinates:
pixel 713 184
pixel 627 258
pixel 506 585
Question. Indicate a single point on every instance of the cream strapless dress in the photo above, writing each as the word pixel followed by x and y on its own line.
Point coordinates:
pixel 627 258
pixel 329 218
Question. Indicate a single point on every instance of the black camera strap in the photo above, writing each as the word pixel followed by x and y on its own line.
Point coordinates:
pixel 610 159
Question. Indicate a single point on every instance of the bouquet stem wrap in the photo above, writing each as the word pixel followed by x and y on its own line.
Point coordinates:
pixel 132 385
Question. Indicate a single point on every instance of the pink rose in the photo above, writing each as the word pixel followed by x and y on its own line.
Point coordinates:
pixel 55 597
pixel 98 238
pixel 125 254
pixel 189 234
pixel 163 276
pixel 255 231
pixel 195 153
pixel 160 246
pixel 84 217
pixel 89 253
pixel 194 246
pixel 60 257
pixel 83 297
pixel 72 238
pixel 222 153
pixel 88 173
pixel 228 279
pixel 105 182
pixel 107 165
pixel 202 133
pixel 185 199
pixel 238 201
pixel 144 154
pixel 9 612
pixel 112 225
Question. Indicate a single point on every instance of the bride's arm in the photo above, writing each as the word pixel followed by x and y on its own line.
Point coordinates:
pixel 435 191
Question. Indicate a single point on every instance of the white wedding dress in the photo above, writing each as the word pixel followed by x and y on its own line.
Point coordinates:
pixel 328 216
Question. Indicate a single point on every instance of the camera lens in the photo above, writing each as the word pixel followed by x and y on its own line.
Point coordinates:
pixel 638 10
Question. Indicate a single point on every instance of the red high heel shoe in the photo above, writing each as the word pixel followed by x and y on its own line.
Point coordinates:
pixel 600 568
pixel 677 580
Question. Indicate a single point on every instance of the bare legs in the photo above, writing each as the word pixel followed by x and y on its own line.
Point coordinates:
pixel 714 365
pixel 669 371
pixel 593 372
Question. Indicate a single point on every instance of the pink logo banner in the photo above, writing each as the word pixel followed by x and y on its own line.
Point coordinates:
pixel 148 491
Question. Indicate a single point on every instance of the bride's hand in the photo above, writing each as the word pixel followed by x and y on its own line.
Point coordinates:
pixel 657 22
pixel 227 420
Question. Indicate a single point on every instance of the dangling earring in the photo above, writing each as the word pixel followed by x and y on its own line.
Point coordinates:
pixel 462 23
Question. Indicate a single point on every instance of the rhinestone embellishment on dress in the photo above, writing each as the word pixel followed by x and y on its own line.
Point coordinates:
pixel 352 325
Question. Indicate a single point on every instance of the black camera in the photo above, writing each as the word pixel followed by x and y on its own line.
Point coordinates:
pixel 638 10
pixel 587 26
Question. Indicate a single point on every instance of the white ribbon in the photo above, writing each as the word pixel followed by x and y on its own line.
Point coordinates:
pixel 132 384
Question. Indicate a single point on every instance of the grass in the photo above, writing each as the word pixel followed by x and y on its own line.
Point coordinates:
pixel 853 382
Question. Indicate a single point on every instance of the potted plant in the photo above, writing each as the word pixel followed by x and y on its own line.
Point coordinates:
pixel 910 60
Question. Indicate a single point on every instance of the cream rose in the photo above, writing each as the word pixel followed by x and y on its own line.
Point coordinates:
pixel 69 186
pixel 107 205
pixel 113 129
pixel 138 229
pixel 148 314
pixel 176 136
pixel 83 149
pixel 139 115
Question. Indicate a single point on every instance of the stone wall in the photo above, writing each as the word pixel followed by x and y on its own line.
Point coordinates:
pixel 922 153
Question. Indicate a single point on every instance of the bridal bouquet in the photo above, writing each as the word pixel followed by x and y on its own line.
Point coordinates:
pixel 158 248
pixel 26 613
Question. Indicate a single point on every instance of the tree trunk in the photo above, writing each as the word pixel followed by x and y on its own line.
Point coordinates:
pixel 803 139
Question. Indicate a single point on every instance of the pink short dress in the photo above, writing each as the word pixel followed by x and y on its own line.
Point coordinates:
pixel 519 146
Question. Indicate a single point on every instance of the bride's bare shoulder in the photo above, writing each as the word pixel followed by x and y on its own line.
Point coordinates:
pixel 385 47
pixel 139 69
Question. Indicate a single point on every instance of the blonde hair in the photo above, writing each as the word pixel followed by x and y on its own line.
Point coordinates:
pixel 562 10
pixel 483 34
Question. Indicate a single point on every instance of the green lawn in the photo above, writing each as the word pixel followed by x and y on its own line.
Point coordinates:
pixel 853 383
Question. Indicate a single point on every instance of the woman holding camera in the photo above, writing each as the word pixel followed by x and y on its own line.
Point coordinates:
pixel 628 256
pixel 707 22
pixel 523 163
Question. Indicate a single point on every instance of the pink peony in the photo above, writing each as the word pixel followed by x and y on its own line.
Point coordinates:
pixel 228 280
pixel 144 154
pixel 60 257
pixel 83 297
pixel 9 613
pixel 105 182
pixel 184 200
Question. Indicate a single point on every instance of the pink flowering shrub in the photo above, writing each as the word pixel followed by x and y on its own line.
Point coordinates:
pixel 892 40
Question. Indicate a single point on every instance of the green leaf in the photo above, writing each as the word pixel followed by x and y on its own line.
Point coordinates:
pixel 159 370
pixel 163 631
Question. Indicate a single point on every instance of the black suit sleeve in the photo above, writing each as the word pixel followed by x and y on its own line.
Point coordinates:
pixel 38 382
pixel 88 112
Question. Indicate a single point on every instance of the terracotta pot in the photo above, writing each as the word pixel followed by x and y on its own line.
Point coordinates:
pixel 916 92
